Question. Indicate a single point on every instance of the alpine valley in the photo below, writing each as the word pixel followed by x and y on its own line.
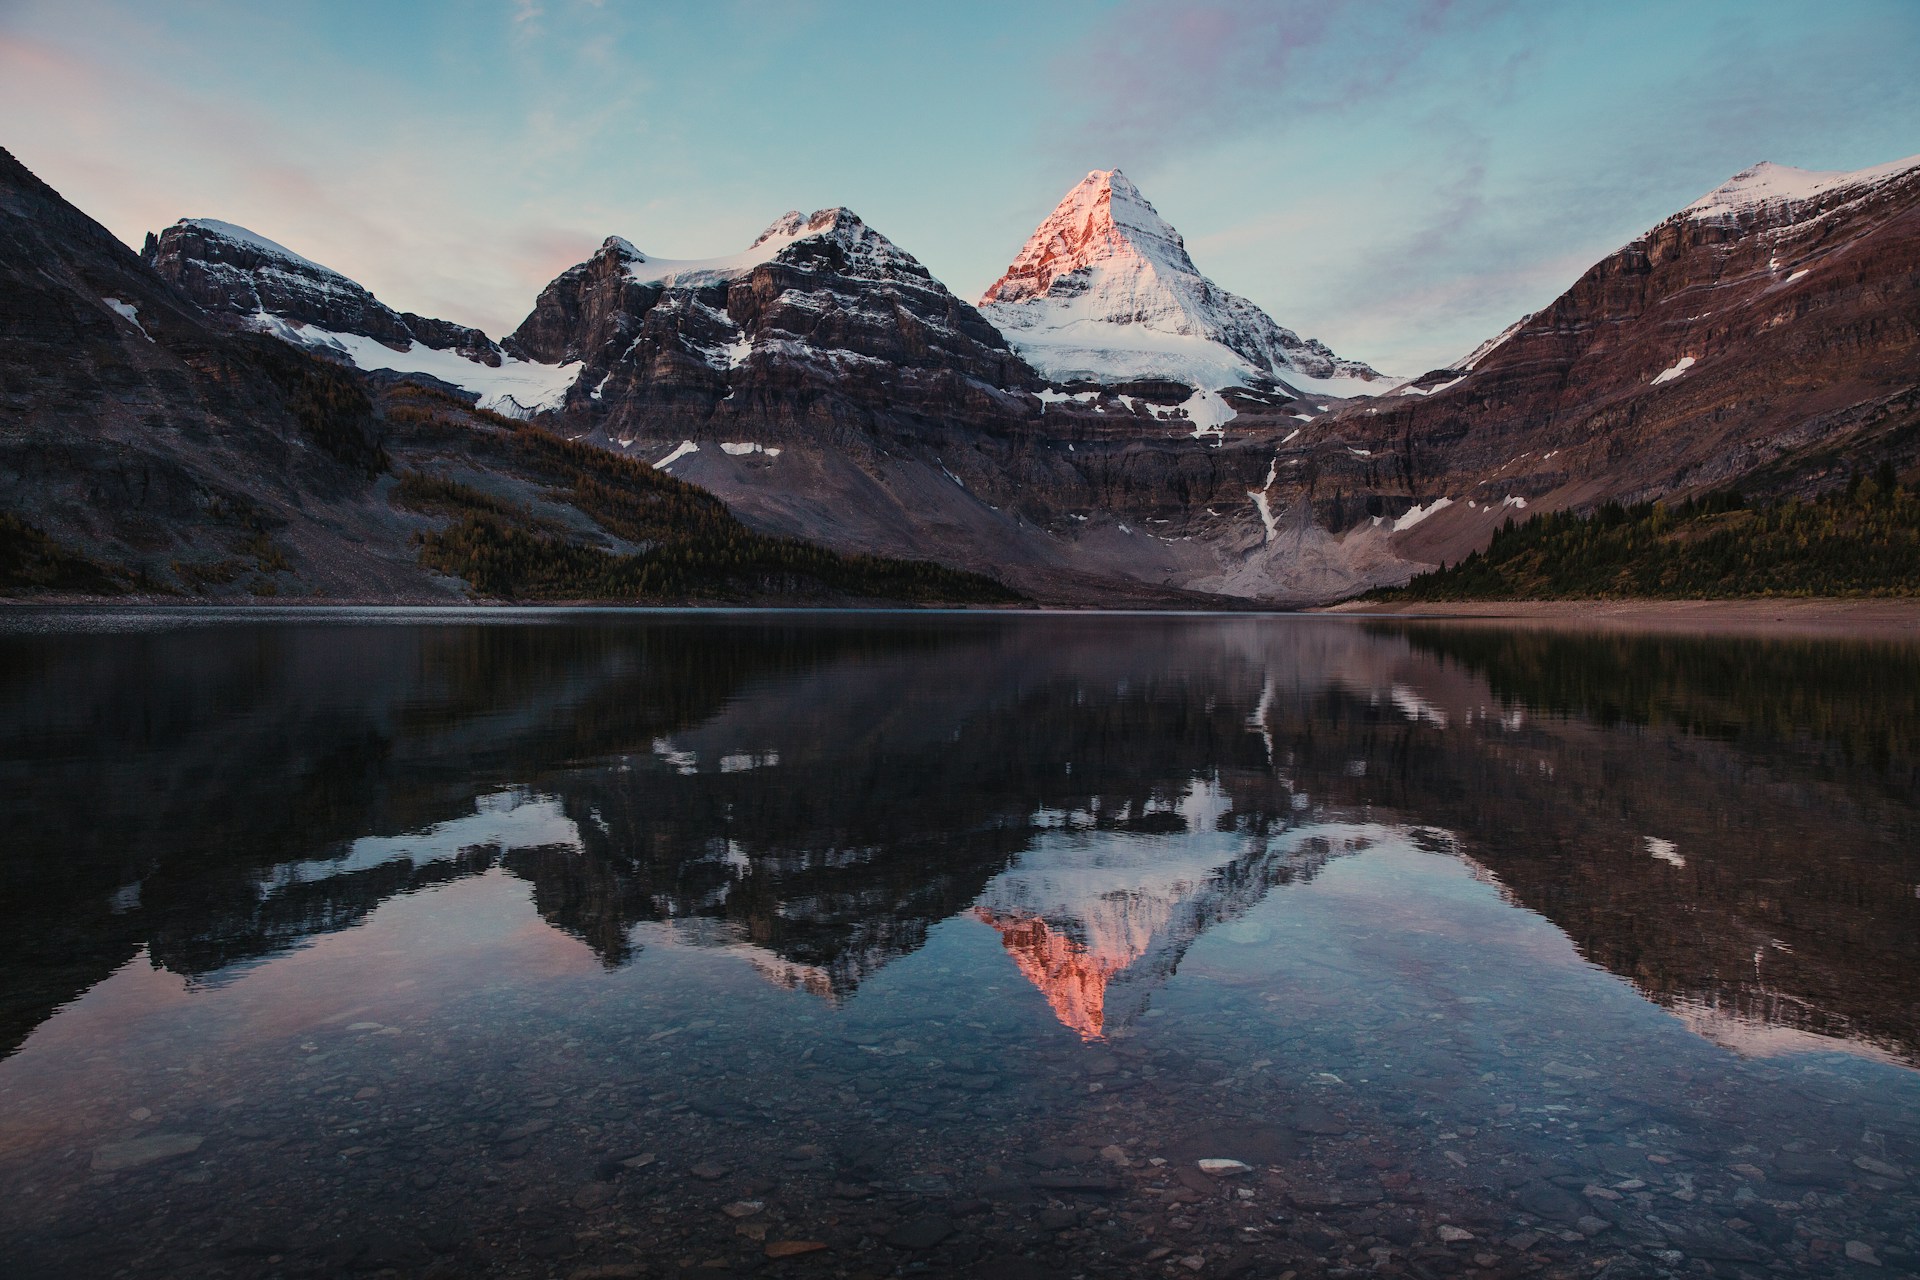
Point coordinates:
pixel 818 418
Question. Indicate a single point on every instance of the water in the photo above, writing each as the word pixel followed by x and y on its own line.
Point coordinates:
pixel 603 944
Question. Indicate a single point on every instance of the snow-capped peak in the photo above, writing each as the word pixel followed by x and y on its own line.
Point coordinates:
pixel 840 224
pixel 1104 218
pixel 1768 183
pixel 268 288
pixel 786 226
pixel 1104 290
pixel 255 241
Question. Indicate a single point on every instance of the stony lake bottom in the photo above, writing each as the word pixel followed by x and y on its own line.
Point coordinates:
pixel 608 944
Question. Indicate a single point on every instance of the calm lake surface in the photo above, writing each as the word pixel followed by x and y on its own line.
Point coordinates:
pixel 616 944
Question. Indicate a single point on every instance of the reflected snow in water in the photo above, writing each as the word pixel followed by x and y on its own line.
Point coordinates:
pixel 611 944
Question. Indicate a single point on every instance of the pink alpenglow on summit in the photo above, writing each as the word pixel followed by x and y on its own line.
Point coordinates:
pixel 1104 291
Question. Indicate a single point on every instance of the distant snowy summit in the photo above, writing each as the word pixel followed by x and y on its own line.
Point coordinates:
pixel 821 317
pixel 1104 292
pixel 255 283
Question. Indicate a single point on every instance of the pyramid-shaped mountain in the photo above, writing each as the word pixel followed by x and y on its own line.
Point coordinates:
pixel 1104 291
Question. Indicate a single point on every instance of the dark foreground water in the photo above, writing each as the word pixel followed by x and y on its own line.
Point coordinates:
pixel 606 945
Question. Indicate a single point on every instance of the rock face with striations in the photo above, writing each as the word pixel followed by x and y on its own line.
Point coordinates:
pixel 228 270
pixel 1767 336
pixel 245 281
pixel 138 434
pixel 821 324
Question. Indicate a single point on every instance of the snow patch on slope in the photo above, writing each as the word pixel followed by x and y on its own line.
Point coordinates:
pixel 1209 412
pixel 668 272
pixel 1673 371
pixel 1666 851
pixel 1263 504
pixel 680 451
pixel 128 312
pixel 1415 515
pixel 517 388
pixel 1491 345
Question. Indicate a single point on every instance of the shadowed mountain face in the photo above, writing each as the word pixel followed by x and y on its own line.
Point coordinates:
pixel 1733 833
pixel 1129 434
pixel 159 448
pixel 1764 338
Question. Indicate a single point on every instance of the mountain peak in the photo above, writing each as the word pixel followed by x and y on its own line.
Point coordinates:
pixel 786 226
pixel 1103 218
pixel 250 240
pixel 1769 183
pixel 1104 290
pixel 838 223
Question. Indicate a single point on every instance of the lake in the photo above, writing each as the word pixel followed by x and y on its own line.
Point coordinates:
pixel 605 944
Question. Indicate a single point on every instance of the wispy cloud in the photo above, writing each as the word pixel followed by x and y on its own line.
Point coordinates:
pixel 1161 73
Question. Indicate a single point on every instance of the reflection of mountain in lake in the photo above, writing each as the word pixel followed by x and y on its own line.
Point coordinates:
pixel 1746 860
pixel 1096 915
pixel 816 795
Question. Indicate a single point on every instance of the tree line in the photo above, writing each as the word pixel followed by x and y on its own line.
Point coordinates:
pixel 1863 540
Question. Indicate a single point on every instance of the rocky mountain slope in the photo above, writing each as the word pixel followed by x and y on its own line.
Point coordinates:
pixel 151 445
pixel 1104 292
pixel 229 270
pixel 825 386
pixel 157 450
pixel 1766 337
pixel 822 326
pixel 821 382
pixel 246 281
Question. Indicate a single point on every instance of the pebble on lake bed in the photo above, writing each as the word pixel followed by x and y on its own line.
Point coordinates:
pixel 593 1195
pixel 1225 1168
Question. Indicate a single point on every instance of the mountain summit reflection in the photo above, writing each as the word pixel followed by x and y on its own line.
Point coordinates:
pixel 1096 917
pixel 816 798
pixel 628 944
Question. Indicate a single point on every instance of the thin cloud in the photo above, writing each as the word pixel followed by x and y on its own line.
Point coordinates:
pixel 1160 74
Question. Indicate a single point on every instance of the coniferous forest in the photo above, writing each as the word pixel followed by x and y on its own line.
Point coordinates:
pixel 1860 541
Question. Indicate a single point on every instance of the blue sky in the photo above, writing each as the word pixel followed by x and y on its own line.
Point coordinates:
pixel 1400 178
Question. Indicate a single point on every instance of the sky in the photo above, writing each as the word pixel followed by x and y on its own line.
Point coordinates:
pixel 1398 178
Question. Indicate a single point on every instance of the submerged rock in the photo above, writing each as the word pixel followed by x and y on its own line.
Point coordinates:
pixel 923 1232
